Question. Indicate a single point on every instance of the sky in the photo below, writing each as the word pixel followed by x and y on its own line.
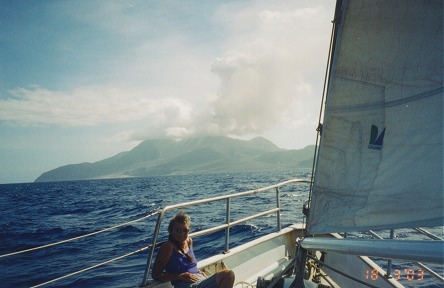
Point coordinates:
pixel 83 80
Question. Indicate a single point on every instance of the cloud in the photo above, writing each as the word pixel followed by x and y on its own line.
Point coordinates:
pixel 168 81
pixel 89 106
pixel 266 80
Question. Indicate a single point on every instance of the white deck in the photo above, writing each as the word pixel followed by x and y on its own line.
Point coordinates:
pixel 269 255
pixel 265 257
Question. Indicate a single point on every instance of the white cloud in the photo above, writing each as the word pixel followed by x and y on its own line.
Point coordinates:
pixel 265 80
pixel 164 85
pixel 90 106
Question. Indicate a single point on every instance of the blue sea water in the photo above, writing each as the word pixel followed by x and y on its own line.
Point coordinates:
pixel 34 214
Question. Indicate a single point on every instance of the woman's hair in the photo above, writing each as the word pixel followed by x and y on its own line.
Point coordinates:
pixel 181 218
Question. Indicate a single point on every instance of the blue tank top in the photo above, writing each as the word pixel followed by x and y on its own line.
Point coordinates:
pixel 178 263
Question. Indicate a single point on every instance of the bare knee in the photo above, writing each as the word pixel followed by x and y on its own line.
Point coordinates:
pixel 225 278
pixel 229 274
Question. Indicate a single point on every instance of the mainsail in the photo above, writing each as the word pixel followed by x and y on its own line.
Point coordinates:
pixel 380 162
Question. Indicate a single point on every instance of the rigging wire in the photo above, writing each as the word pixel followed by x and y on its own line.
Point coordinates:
pixel 340 272
pixel 78 237
pixel 92 267
pixel 321 111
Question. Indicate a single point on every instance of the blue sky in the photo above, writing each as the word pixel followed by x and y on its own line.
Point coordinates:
pixel 81 81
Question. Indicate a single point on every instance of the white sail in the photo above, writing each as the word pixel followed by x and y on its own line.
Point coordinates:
pixel 380 163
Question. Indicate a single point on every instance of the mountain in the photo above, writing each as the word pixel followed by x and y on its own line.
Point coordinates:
pixel 193 155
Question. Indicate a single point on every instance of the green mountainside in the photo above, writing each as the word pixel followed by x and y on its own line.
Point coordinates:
pixel 188 156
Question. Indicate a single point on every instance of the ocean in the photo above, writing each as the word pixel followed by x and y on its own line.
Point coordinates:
pixel 35 214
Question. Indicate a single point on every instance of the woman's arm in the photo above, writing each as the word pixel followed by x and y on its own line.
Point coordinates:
pixel 164 254
pixel 162 258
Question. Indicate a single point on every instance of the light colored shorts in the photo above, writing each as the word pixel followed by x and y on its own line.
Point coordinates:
pixel 209 282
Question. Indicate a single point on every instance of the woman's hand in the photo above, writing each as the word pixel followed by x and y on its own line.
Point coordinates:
pixel 188 277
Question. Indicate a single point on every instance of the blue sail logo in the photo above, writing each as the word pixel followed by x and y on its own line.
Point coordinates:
pixel 375 140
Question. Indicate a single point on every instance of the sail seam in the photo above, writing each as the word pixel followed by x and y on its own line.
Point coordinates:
pixel 394 103
pixel 415 97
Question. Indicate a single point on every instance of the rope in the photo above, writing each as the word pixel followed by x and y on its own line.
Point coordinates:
pixel 92 267
pixel 340 272
pixel 245 283
pixel 78 237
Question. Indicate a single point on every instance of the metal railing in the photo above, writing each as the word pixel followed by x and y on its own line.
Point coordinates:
pixel 419 264
pixel 228 223
pixel 161 213
pixel 409 250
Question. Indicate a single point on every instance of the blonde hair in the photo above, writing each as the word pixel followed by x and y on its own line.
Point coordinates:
pixel 181 218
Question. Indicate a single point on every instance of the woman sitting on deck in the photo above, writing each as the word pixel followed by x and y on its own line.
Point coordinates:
pixel 175 260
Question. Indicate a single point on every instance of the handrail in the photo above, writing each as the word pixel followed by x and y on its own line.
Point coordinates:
pixel 161 213
pixel 419 264
pixel 428 234
pixel 224 226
